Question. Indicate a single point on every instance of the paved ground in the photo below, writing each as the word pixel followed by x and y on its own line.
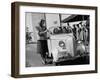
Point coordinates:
pixel 33 59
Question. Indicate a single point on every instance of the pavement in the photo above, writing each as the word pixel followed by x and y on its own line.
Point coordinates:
pixel 34 59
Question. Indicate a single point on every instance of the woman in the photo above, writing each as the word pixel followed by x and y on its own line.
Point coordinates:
pixel 42 32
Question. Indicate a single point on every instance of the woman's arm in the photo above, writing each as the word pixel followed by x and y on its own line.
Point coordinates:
pixel 43 32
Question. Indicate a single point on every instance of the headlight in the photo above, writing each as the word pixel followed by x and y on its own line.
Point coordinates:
pixel 62 44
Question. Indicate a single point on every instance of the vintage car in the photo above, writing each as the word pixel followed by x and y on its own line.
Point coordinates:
pixel 60 45
pixel 63 46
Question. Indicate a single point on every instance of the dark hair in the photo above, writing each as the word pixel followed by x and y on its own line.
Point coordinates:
pixel 41 22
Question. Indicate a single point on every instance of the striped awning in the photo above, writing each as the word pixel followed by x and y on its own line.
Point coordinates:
pixel 73 18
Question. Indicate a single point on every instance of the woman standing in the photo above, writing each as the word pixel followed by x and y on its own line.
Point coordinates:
pixel 42 32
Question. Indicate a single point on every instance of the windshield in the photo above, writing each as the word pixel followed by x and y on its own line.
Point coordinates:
pixel 60 30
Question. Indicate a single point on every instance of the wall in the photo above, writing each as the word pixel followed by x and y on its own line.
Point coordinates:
pixel 35 22
pixel 32 21
pixel 52 20
pixel 5 40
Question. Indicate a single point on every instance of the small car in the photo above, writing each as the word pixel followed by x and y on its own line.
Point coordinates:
pixel 63 47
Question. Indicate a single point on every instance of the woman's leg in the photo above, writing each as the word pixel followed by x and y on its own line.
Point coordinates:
pixel 44 49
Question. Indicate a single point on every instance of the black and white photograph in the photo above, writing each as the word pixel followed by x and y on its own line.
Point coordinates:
pixel 52 39
pixel 55 39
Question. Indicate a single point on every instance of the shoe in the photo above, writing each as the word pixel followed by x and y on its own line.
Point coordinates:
pixel 44 61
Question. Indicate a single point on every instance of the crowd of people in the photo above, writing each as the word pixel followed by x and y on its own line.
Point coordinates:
pixel 81 32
